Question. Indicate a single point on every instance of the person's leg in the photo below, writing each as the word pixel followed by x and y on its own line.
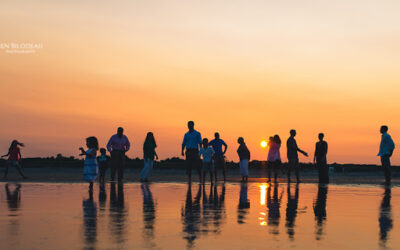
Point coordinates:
pixel 247 169
pixel 189 163
pixel 269 170
pixel 144 170
pixel 113 165
pixel 19 169
pixel 121 166
pixel 297 170
pixel 216 161
pixel 6 170
pixel 386 168
pixel 320 171
pixel 276 167
pixel 150 168
pixel 223 166
pixel 289 168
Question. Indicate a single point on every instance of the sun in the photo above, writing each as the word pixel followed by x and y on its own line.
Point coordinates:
pixel 263 144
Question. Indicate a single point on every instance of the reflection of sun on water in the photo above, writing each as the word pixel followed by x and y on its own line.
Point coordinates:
pixel 263 144
pixel 263 194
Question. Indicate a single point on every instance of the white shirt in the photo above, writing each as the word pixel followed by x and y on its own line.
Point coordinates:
pixel 207 153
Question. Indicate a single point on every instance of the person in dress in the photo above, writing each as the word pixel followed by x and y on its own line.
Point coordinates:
pixel 244 156
pixel 321 150
pixel 90 169
pixel 14 158
pixel 149 152
pixel 207 153
pixel 274 157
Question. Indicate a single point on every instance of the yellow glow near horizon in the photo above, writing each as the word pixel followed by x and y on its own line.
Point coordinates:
pixel 263 144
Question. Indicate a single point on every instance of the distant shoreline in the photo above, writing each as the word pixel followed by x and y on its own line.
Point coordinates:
pixel 165 175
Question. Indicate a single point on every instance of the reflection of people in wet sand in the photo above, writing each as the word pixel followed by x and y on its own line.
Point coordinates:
pixel 90 221
pixel 14 158
pixel 291 210
pixel 191 216
pixel 274 205
pixel 320 210
pixel 118 213
pixel 149 212
pixel 385 217
pixel 244 204
pixel 14 197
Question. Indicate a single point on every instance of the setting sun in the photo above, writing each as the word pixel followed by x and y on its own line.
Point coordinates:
pixel 263 144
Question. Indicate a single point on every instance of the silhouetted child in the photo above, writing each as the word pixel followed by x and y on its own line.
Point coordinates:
pixel 14 158
pixel 90 168
pixel 244 156
pixel 274 157
pixel 103 161
pixel 207 152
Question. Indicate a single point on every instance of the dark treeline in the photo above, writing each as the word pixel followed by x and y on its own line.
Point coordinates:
pixel 177 163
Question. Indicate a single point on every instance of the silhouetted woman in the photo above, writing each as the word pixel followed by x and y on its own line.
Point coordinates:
pixel 274 156
pixel 149 151
pixel 14 158
pixel 90 168
pixel 244 156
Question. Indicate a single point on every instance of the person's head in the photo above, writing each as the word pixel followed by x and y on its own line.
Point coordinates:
pixel 216 135
pixel 103 151
pixel 384 129
pixel 120 131
pixel 321 136
pixel 205 142
pixel 277 139
pixel 292 132
pixel 91 142
pixel 240 140
pixel 15 143
pixel 190 125
pixel 150 137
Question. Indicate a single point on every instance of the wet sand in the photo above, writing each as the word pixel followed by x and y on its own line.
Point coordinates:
pixel 179 175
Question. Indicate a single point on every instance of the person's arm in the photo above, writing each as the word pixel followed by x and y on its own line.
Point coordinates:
pixel 226 147
pixel 155 153
pixel 391 145
pixel 301 151
pixel 315 152
pixel 6 154
pixel 109 144
pixel 183 145
pixel 200 141
pixel 82 151
pixel 127 144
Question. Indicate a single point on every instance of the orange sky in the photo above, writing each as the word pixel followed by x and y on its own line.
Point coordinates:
pixel 243 69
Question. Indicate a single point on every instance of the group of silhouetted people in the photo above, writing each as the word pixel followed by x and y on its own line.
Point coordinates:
pixel 202 155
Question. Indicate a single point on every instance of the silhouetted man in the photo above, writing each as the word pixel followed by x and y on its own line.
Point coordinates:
pixel 385 152
pixel 292 155
pixel 191 142
pixel 321 150
pixel 118 145
pixel 219 156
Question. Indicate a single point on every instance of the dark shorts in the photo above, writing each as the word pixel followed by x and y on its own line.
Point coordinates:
pixel 193 158
pixel 219 161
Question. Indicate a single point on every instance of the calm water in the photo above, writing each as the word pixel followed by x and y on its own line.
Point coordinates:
pixel 177 216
